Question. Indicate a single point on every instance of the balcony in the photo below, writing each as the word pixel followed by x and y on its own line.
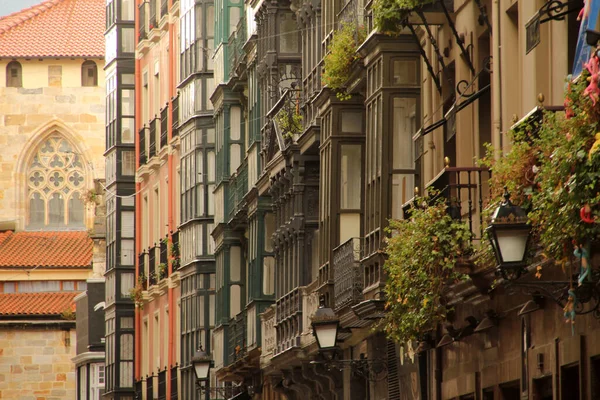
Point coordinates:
pixel 152 20
pixel 162 385
pixel 137 387
pixel 164 126
pixel 237 39
pixel 175 116
pixel 174 389
pixel 152 141
pixel 152 278
pixel 269 336
pixel 237 338
pixel 175 253
pixel 348 283
pixel 142 32
pixel 142 271
pixel 164 8
pixel 466 191
pixel 163 260
pixel 150 387
pixel 142 140
pixel 238 187
pixel 288 320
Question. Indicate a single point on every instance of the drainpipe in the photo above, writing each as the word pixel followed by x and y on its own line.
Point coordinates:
pixel 496 79
pixel 172 357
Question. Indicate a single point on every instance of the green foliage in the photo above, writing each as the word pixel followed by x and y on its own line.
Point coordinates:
pixel 423 253
pixel 342 53
pixel 137 294
pixel 162 270
pixel 554 173
pixel 389 15
pixel 290 122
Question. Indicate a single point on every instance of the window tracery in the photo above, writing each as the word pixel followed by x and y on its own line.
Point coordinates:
pixel 55 186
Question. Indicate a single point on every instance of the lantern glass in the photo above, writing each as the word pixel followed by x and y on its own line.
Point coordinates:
pixel 326 333
pixel 202 369
pixel 512 244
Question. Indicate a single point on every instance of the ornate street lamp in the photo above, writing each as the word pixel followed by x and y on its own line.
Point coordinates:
pixel 325 326
pixel 509 234
pixel 202 363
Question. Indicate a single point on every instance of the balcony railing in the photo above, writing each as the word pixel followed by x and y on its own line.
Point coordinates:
pixel 142 32
pixel 288 317
pixel 175 116
pixel 138 389
pixel 352 12
pixel 152 21
pixel 164 7
pixel 162 385
pixel 175 252
pixel 236 43
pixel 152 278
pixel 142 270
pixel 163 260
pixel 237 338
pixel 150 387
pixel 268 334
pixel 348 282
pixel 466 190
pixel 174 385
pixel 152 141
pixel 143 156
pixel 164 126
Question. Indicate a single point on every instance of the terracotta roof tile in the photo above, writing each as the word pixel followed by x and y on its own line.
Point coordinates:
pixel 55 28
pixel 45 249
pixel 13 304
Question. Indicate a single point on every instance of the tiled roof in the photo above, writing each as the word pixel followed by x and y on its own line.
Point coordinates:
pixel 13 304
pixel 45 249
pixel 55 28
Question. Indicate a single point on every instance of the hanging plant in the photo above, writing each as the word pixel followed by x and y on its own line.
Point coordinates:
pixel 342 53
pixel 389 15
pixel 423 253
pixel 556 171
pixel 162 270
pixel 137 295
pixel 290 122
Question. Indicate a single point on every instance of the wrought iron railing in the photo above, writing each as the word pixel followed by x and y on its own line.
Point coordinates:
pixel 162 385
pixel 152 278
pixel 352 12
pixel 137 387
pixel 237 338
pixel 238 187
pixel 288 317
pixel 175 252
pixel 142 31
pixel 175 116
pixel 466 191
pixel 142 270
pixel 163 269
pixel 348 282
pixel 174 384
pixel 236 46
pixel 143 155
pixel 152 21
pixel 164 126
pixel 150 387
pixel 164 7
pixel 152 141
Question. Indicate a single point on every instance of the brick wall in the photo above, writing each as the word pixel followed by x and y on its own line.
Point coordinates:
pixel 35 364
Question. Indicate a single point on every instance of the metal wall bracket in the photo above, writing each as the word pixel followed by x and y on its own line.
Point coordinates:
pixel 483 16
pixel 556 10
pixel 433 75
pixel 461 44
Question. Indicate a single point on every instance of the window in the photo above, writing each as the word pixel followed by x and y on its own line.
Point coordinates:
pixel 55 185
pixel 14 76
pixel 89 74
pixel 96 381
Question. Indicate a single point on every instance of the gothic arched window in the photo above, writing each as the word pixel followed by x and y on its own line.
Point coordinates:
pixel 55 186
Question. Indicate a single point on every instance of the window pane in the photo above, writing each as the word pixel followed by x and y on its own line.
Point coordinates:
pixel 76 210
pixel 351 122
pixel 404 126
pixel 405 72
pixel 350 182
pixel 269 276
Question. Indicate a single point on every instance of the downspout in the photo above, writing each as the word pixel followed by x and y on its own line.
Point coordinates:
pixel 170 202
pixel 138 203
pixel 496 80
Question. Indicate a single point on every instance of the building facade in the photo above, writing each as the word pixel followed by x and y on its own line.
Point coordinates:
pixel 119 312
pixel 51 92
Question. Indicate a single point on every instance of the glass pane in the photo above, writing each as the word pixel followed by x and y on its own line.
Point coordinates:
pixel 127 101
pixel 288 41
pixel 269 229
pixel 405 72
pixel 351 122
pixel 402 191
pixel 350 180
pixel 235 299
pixel 269 276
pixel 404 126
pixel 56 210
pixel 127 129
pixel 76 210
pixel 127 40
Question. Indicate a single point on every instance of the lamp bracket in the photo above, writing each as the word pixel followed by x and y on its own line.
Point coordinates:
pixel 373 369
pixel 556 10
pixel 588 293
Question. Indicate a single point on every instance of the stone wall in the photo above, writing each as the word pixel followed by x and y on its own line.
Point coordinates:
pixel 35 364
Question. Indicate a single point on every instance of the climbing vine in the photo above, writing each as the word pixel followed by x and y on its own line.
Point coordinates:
pixel 389 15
